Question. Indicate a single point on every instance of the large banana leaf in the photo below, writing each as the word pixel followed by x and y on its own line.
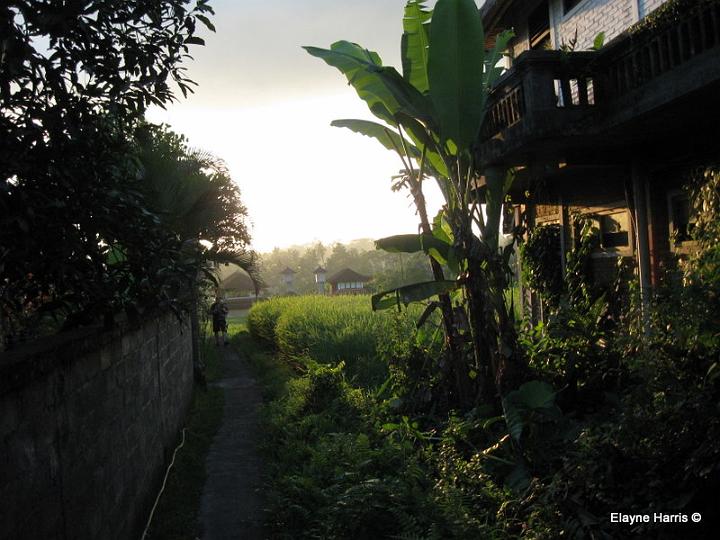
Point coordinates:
pixel 432 245
pixel 355 63
pixel 389 138
pixel 382 88
pixel 412 102
pixel 411 293
pixel 455 70
pixel 415 44
pixel 411 243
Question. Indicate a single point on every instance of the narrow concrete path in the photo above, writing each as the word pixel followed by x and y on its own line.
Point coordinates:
pixel 231 506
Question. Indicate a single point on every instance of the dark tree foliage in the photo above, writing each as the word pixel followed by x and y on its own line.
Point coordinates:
pixel 191 190
pixel 64 59
pixel 77 239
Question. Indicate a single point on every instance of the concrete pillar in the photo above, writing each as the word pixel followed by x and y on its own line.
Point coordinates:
pixel 639 183
pixel 564 245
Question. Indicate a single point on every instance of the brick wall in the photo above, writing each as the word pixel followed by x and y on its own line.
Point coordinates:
pixel 87 422
pixel 590 18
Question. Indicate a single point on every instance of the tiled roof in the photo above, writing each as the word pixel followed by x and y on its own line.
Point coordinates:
pixel 347 275
pixel 238 281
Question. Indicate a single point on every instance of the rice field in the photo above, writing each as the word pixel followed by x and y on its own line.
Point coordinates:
pixel 330 330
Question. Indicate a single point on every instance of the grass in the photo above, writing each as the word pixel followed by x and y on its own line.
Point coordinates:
pixel 237 322
pixel 329 330
pixel 176 517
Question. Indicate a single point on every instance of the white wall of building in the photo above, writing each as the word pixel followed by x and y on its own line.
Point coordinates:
pixel 589 18
pixel 648 6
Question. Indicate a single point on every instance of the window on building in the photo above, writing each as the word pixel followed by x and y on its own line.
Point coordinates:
pixel 539 27
pixel 614 230
pixel 569 4
pixel 682 220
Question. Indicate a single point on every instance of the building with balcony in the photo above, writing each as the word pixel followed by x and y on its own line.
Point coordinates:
pixel 348 281
pixel 612 133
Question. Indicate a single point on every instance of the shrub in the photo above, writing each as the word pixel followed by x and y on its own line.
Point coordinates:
pixel 263 318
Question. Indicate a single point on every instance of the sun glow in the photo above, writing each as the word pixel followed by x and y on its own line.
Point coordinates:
pixel 301 179
pixel 265 106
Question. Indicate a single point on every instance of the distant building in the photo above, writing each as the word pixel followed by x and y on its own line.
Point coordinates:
pixel 320 279
pixel 237 287
pixel 237 284
pixel 348 281
pixel 288 276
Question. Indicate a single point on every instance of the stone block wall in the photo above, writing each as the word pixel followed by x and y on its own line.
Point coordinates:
pixel 87 423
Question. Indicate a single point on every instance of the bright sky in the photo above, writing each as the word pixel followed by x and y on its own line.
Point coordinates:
pixel 265 106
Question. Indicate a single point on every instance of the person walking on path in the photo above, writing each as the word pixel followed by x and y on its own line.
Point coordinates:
pixel 219 312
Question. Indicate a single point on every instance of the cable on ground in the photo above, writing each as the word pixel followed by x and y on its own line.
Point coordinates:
pixel 162 488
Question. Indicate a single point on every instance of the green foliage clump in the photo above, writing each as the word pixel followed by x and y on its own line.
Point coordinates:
pixel 541 262
pixel 344 465
pixel 319 460
pixel 668 14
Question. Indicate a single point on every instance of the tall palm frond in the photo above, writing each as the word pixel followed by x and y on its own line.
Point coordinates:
pixel 245 260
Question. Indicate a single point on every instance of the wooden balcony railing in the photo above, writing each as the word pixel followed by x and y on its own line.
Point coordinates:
pixel 506 112
pixel 540 84
pixel 648 54
pixel 546 91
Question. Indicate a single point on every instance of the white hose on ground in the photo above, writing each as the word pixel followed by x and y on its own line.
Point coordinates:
pixel 162 488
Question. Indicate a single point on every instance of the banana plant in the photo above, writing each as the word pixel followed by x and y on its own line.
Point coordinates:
pixel 431 116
